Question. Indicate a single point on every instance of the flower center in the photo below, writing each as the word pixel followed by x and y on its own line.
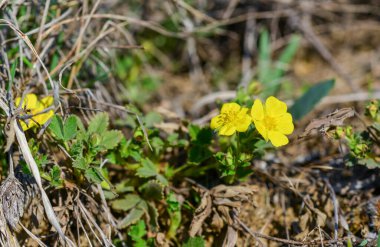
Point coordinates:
pixel 270 122
pixel 227 117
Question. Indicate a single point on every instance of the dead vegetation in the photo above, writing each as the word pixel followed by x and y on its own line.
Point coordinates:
pixel 181 59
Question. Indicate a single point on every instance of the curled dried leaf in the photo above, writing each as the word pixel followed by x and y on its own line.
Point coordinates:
pixel 333 119
pixel 201 213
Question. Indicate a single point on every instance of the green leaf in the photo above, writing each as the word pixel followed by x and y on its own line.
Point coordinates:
pixel 349 242
pixel 133 216
pixel 70 128
pixel 264 61
pixel 76 149
pixel 152 190
pixel 125 204
pixel 140 243
pixel 110 139
pixel 307 102
pixel 162 179
pixel 93 175
pixel 137 231
pixel 200 135
pixel 286 56
pixel 80 124
pixel 55 174
pixel 194 242
pixel 153 216
pixel 152 118
pixel 193 131
pixel 199 153
pixel 81 163
pixel 99 123
pixel 363 243
pixel 148 169
pixel 173 204
pixel 56 127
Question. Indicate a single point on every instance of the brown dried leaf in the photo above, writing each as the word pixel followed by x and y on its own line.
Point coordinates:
pixel 334 119
pixel 227 202
pixel 201 213
pixel 225 212
pixel 231 237
pixel 232 191
pixel 217 221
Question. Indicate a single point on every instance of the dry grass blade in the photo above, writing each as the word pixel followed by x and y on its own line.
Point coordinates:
pixel 23 144
pixel 30 45
pixel 34 237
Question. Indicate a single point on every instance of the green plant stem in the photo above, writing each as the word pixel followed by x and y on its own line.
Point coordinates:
pixel 236 158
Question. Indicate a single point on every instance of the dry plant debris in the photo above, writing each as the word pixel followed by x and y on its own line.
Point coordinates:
pixel 110 133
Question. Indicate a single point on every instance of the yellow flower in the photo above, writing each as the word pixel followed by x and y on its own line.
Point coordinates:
pixel 272 120
pixel 32 106
pixel 232 118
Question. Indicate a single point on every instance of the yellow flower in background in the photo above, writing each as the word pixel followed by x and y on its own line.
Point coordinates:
pixel 272 120
pixel 32 106
pixel 232 118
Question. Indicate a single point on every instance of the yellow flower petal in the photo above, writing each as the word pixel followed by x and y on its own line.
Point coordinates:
pixel 275 107
pixel 35 107
pixel 230 107
pixel 41 119
pixel 285 124
pixel 243 123
pixel 227 130
pixel 30 101
pixel 260 126
pixel 24 126
pixel 278 139
pixel 47 101
pixel 257 111
pixel 216 122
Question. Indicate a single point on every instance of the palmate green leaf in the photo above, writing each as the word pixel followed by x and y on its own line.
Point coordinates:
pixel 56 127
pixel 308 101
pixel 70 128
pixel 148 169
pixel 93 175
pixel 110 139
pixel 99 123
pixel 125 204
pixel 64 131
pixel 194 242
